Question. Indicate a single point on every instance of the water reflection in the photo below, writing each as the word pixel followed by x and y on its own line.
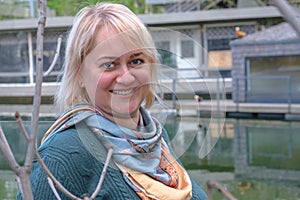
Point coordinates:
pixel 255 159
pixel 262 155
pixel 16 140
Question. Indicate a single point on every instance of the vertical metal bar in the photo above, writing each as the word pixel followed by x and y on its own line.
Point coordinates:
pixel 224 89
pixel 32 9
pixel 237 94
pixel 289 94
pixel 30 54
pixel 174 93
pixel 218 95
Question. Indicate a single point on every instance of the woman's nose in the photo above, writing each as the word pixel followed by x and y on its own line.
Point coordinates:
pixel 125 75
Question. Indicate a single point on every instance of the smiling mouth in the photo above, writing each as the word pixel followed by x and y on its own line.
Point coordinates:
pixel 122 92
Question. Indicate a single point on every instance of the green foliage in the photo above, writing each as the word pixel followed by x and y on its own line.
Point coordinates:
pixel 71 7
pixel 64 8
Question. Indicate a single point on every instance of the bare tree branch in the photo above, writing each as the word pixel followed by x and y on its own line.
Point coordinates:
pixel 24 171
pixel 38 85
pixel 98 188
pixel 21 125
pixel 56 56
pixel 220 188
pixel 289 13
pixel 55 181
pixel 19 184
pixel 7 153
pixel 50 182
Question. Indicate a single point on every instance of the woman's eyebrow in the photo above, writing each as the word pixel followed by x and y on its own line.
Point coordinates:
pixel 136 54
pixel 107 58
pixel 116 57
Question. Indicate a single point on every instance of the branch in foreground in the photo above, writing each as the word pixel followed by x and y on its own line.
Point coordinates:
pixel 220 188
pixel 52 186
pixel 108 157
pixel 21 125
pixel 56 56
pixel 7 152
pixel 54 182
pixel 289 13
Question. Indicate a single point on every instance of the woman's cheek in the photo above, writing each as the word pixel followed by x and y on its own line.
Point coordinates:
pixel 145 76
pixel 104 82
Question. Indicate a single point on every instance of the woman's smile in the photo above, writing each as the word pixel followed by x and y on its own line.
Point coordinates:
pixel 122 92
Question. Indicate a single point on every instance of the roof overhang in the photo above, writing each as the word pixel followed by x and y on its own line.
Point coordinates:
pixel 206 16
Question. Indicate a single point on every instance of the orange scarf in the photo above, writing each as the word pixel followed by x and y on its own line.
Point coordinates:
pixel 180 186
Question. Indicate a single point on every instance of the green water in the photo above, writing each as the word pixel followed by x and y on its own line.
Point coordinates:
pixel 253 159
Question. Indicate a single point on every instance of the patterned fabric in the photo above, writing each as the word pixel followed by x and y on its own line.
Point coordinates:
pixel 140 151
pixel 149 188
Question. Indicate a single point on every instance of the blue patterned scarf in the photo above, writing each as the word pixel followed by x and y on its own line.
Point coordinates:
pixel 138 149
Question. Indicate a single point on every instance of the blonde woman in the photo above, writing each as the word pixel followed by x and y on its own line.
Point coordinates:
pixel 107 85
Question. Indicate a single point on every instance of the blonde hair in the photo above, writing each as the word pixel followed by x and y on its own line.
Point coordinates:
pixel 81 41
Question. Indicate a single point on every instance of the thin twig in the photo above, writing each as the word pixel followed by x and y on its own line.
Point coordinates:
pixel 21 125
pixel 56 56
pixel 7 152
pixel 52 186
pixel 220 188
pixel 55 181
pixel 108 157
pixel 19 184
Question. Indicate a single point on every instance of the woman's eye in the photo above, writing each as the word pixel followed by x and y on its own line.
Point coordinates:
pixel 108 65
pixel 136 62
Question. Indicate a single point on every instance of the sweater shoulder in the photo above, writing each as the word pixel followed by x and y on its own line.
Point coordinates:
pixel 66 138
pixel 67 148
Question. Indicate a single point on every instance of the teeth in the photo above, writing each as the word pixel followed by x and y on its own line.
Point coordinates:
pixel 122 92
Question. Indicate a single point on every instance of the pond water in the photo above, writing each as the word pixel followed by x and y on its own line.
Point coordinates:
pixel 253 159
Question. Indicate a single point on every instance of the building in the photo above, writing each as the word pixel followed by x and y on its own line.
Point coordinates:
pixel 266 66
pixel 194 45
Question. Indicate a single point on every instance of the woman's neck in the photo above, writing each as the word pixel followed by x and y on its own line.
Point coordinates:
pixel 130 122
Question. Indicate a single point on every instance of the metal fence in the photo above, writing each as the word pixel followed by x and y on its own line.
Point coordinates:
pixel 266 89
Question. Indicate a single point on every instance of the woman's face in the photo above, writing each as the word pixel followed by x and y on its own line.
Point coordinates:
pixel 116 76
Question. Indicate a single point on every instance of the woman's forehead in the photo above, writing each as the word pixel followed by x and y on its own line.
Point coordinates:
pixel 110 43
pixel 116 43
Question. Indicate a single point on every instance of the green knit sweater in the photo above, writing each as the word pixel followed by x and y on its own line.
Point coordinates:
pixel 78 171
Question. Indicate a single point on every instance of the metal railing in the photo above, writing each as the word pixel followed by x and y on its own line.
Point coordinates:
pixel 265 89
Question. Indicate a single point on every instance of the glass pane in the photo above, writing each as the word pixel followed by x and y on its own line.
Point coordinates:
pixel 274 77
pixel 50 44
pixel 14 57
pixel 187 49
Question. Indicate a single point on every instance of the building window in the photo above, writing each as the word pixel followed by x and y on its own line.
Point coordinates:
pixel 14 57
pixel 273 78
pixel 167 57
pixel 218 44
pixel 187 49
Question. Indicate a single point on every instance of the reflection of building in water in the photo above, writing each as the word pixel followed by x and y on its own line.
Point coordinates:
pixel 252 149
pixel 16 140
pixel 268 150
pixel 209 134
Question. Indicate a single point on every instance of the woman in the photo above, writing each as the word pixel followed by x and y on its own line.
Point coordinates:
pixel 108 81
